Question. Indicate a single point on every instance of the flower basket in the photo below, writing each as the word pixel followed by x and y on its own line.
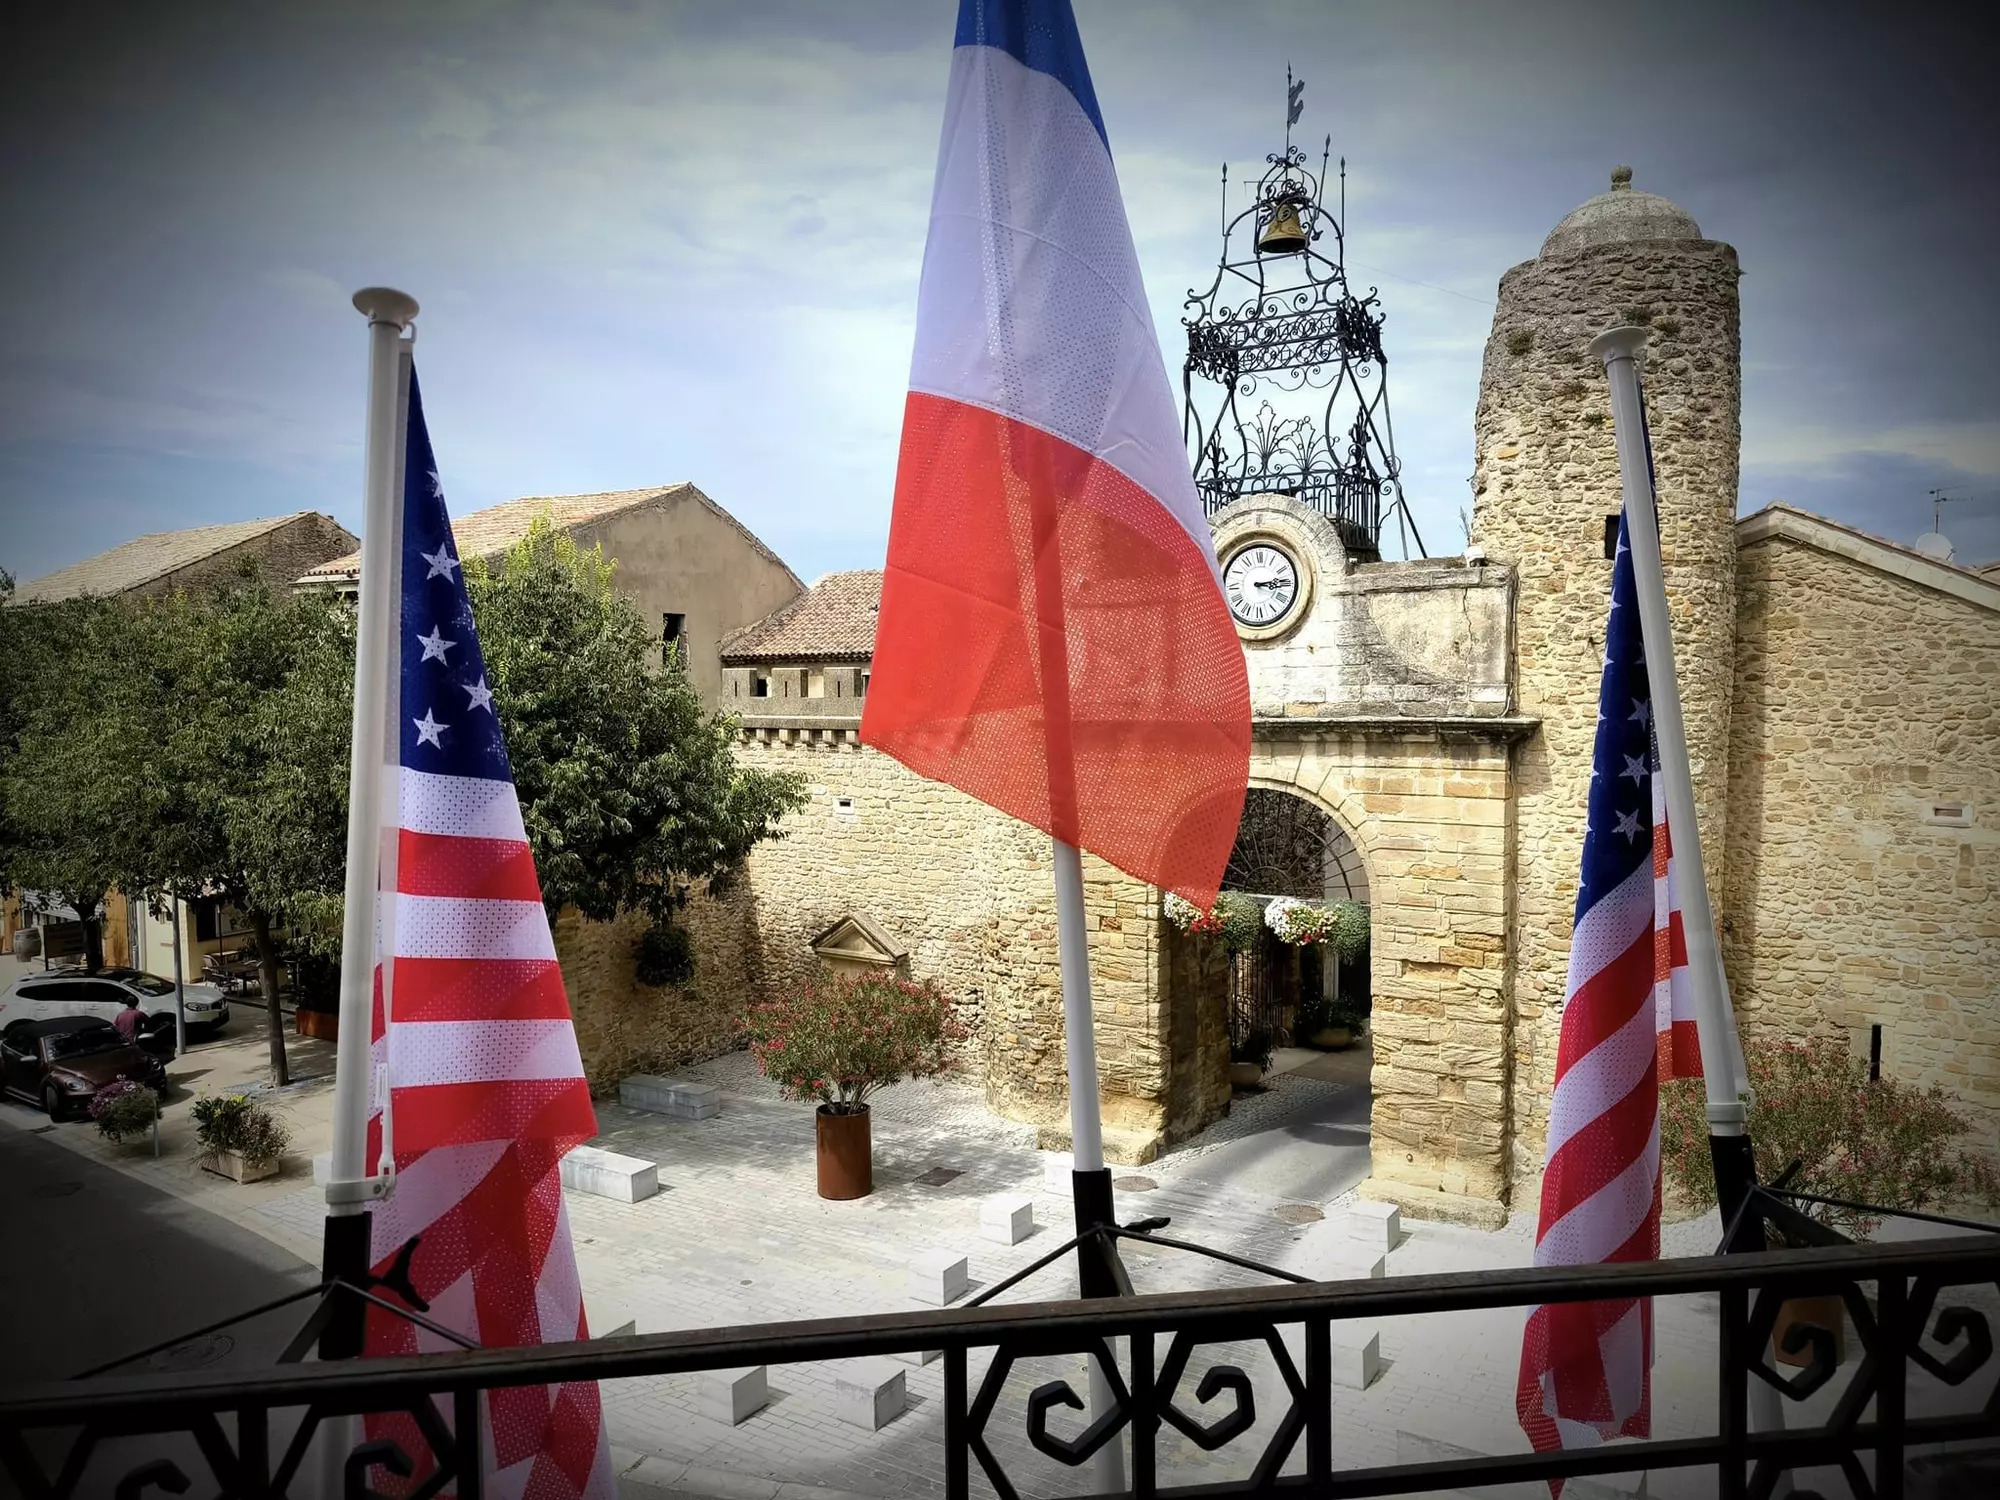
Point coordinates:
pixel 838 1041
pixel 124 1109
pixel 239 1138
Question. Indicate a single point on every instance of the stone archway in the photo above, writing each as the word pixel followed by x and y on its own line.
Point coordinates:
pixel 1289 846
pixel 1426 809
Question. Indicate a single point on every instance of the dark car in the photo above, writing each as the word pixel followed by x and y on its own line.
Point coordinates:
pixel 59 1064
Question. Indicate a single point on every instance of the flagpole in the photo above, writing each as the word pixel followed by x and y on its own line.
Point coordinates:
pixel 1723 1072
pixel 349 1188
pixel 1728 1133
pixel 1090 1179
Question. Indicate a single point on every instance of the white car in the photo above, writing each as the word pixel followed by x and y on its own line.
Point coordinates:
pixel 71 992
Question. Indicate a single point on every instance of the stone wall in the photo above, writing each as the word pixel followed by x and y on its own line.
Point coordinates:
pixel 276 557
pixel 1408 639
pixel 625 1027
pixel 1864 856
pixel 970 894
pixel 1545 477
pixel 1429 813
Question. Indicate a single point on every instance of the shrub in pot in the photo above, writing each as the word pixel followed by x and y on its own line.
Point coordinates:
pixel 1864 1141
pixel 124 1109
pixel 239 1137
pixel 840 1039
pixel 1249 1056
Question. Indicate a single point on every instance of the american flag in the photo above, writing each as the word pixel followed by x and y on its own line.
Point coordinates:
pixel 1627 1024
pixel 472 1033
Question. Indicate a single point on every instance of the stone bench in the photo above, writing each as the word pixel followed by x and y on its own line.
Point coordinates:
pixel 732 1397
pixel 670 1096
pixel 1007 1218
pixel 1376 1225
pixel 1357 1355
pixel 938 1277
pixel 869 1393
pixel 606 1174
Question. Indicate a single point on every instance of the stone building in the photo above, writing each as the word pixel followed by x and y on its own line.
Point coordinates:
pixel 279 548
pixel 1438 717
pixel 694 571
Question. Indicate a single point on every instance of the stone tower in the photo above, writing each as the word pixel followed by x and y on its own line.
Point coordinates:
pixel 1545 478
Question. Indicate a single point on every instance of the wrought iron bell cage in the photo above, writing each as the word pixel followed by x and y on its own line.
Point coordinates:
pixel 1285 386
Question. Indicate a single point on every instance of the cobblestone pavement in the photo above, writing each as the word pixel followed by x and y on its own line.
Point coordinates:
pixel 737 1235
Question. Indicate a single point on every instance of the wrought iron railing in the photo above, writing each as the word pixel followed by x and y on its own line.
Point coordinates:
pixel 1915 1321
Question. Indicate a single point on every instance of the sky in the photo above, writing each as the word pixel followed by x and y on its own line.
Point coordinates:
pixel 657 242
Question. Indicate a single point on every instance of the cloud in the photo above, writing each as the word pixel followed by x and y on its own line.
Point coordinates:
pixel 683 242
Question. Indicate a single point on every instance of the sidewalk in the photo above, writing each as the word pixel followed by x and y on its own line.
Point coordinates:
pixel 738 1235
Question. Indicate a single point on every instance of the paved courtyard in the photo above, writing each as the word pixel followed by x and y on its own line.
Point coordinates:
pixel 737 1235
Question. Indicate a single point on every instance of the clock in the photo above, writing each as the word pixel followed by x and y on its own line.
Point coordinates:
pixel 1261 583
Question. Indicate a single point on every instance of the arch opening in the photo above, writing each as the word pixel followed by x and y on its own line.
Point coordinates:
pixel 1280 993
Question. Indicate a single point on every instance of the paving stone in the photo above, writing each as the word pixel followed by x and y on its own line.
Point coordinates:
pixel 670 1096
pixel 869 1393
pixel 1007 1218
pixel 606 1174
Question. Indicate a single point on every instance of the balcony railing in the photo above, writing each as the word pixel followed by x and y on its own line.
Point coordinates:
pixel 1918 1309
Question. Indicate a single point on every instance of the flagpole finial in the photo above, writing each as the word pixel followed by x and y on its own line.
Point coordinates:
pixel 384 304
pixel 1618 343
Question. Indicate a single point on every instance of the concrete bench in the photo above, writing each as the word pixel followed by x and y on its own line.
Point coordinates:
pixel 670 1096
pixel 1056 1169
pixel 1357 1355
pixel 869 1393
pixel 1007 1218
pixel 606 1174
pixel 732 1396
pixel 1376 1225
pixel 938 1277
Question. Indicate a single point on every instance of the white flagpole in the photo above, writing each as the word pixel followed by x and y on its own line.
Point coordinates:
pixel 348 1188
pixel 1723 1071
pixel 1706 984
pixel 1086 1130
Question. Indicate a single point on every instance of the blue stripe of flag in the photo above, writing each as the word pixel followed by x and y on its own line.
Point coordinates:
pixel 1040 34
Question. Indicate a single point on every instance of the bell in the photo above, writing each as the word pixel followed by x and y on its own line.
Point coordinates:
pixel 1284 235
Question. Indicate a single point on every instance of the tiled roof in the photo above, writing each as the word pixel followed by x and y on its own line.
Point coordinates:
pixel 833 618
pixel 146 559
pixel 489 532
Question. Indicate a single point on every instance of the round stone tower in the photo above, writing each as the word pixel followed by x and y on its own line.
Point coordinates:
pixel 1544 480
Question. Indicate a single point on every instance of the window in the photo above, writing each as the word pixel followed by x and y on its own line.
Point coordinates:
pixel 864 684
pixel 673 637
pixel 760 686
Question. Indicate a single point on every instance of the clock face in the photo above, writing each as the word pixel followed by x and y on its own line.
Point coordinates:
pixel 1261 583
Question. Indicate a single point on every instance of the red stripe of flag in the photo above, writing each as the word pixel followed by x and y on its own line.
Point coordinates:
pixel 433 864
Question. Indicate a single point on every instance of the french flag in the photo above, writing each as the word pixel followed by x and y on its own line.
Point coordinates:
pixel 1052 637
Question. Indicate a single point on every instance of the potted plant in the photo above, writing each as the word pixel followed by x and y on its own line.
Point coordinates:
pixel 124 1108
pixel 1862 1140
pixel 240 1138
pixel 1249 1056
pixel 839 1040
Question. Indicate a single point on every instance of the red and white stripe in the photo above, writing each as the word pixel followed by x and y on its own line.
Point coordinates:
pixel 1680 1044
pixel 1591 1362
pixel 473 1036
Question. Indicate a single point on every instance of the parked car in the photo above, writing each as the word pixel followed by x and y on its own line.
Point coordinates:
pixel 103 994
pixel 60 1063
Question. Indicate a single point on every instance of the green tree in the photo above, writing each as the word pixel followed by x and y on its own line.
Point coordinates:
pixel 73 756
pixel 629 786
pixel 250 799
